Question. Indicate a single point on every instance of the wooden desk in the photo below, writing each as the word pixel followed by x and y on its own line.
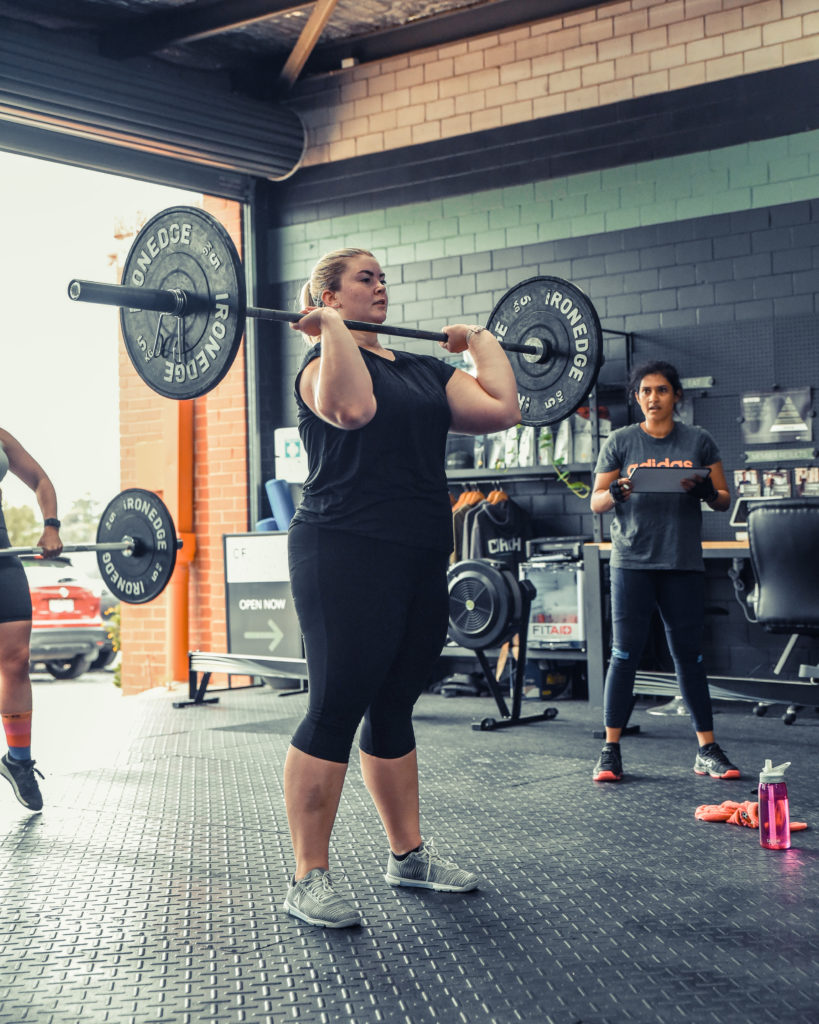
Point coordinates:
pixel 770 689
pixel 710 548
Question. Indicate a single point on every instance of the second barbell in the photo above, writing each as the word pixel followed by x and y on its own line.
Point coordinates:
pixel 136 546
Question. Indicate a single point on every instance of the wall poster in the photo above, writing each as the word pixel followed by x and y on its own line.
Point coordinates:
pixel 776 416
pixel 806 481
pixel 746 483
pixel 776 483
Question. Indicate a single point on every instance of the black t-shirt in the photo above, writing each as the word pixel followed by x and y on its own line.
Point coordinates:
pixel 386 479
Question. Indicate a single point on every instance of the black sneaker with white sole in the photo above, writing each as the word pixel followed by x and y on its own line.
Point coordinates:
pixel 21 776
pixel 711 760
pixel 609 767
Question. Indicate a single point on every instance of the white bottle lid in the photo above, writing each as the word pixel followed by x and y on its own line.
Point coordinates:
pixel 771 774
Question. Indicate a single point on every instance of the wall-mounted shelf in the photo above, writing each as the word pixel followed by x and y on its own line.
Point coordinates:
pixel 519 473
pixel 534 652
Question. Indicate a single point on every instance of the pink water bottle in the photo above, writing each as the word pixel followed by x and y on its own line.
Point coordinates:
pixel 774 814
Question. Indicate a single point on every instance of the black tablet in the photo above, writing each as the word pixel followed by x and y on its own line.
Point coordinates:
pixel 647 479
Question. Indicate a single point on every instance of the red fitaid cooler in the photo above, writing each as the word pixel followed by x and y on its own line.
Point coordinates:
pixel 555 570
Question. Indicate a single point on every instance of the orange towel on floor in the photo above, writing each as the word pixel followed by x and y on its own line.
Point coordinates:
pixel 746 813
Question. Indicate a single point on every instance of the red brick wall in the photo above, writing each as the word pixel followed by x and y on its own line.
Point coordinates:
pixel 220 499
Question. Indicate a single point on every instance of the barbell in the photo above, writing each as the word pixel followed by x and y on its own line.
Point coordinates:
pixel 136 546
pixel 183 307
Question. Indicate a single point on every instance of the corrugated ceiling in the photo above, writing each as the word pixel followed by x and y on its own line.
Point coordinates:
pixel 200 86
pixel 253 40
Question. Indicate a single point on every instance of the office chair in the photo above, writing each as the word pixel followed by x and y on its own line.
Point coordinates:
pixel 783 538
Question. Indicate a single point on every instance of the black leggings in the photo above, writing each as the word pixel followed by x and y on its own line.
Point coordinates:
pixel 374 617
pixel 680 598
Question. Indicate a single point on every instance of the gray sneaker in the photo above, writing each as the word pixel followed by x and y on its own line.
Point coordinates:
pixel 674 707
pixel 425 869
pixel 314 900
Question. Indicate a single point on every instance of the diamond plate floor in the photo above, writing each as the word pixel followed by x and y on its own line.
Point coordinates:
pixel 149 889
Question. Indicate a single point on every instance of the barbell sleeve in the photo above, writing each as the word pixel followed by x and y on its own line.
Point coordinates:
pixel 158 300
pixel 181 303
pixel 126 545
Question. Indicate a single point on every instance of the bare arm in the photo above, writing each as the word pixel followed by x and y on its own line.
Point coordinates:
pixel 337 386
pixel 34 476
pixel 489 401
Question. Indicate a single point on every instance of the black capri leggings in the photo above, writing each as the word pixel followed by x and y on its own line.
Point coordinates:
pixel 15 597
pixel 374 617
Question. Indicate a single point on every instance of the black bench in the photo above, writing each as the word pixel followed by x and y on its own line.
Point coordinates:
pixel 202 664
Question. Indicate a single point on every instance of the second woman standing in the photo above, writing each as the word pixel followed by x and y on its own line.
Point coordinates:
pixel 656 561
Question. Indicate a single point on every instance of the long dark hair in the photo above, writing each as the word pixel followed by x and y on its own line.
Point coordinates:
pixel 655 366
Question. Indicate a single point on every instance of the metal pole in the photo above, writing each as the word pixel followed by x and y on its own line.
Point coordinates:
pixel 181 303
pixel 126 545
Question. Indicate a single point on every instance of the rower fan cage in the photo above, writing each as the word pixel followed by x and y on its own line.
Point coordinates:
pixel 488 606
pixel 485 603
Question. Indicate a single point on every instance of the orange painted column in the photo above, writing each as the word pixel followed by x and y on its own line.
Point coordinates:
pixel 178 480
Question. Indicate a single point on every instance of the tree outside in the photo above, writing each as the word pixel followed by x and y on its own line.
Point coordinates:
pixel 24 528
pixel 78 525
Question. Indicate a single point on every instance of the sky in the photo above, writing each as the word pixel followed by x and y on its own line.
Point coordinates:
pixel 58 358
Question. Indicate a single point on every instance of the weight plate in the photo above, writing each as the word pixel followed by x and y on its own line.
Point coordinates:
pixel 484 604
pixel 187 249
pixel 141 576
pixel 560 321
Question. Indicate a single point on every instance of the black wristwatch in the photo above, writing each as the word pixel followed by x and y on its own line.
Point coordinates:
pixel 51 521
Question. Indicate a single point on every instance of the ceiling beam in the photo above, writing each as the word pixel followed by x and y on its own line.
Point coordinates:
pixel 154 32
pixel 439 29
pixel 306 42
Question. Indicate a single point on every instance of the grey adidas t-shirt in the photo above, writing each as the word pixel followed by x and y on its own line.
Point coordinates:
pixel 657 531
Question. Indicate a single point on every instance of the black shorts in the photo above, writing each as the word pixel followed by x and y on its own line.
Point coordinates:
pixel 15 597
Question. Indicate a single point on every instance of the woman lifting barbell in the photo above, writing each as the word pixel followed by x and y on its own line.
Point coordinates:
pixel 368 550
pixel 656 560
pixel 15 626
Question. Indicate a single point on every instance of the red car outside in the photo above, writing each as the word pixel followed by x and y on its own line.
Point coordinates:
pixel 68 635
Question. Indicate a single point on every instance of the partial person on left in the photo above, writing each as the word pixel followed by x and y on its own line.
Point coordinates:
pixel 16 701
